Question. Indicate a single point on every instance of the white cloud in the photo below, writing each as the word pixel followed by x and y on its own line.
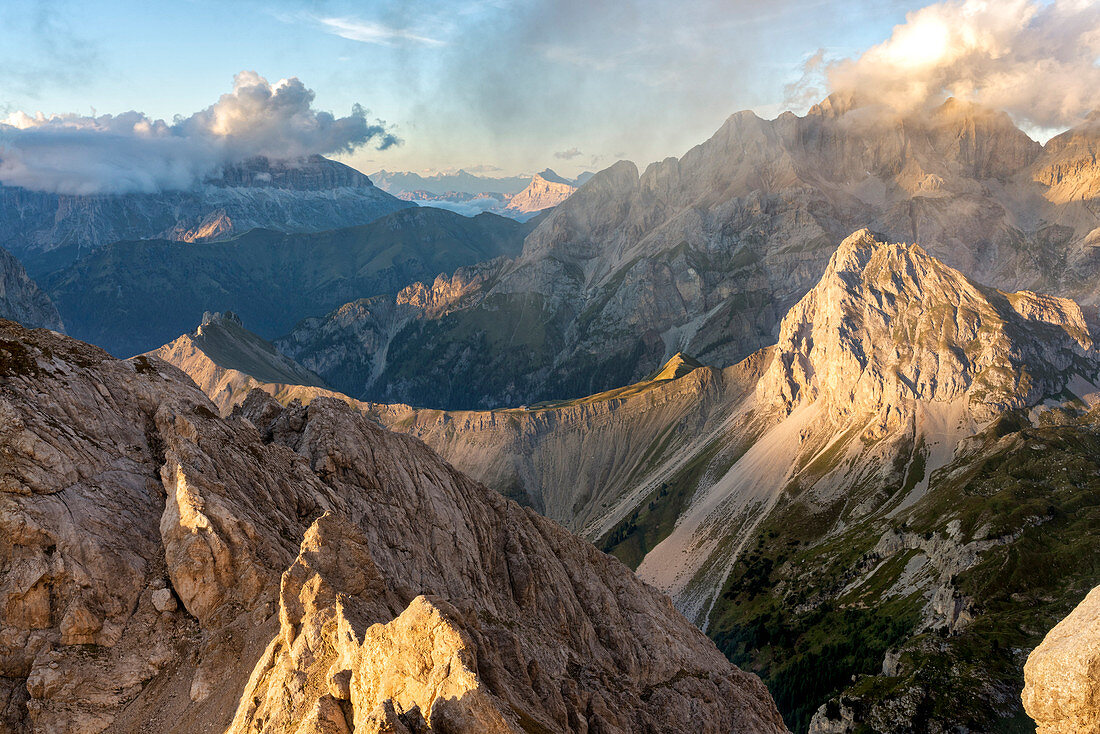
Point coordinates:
pixel 370 32
pixel 131 152
pixel 1036 60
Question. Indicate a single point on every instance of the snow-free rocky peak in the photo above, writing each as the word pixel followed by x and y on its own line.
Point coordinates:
pixel 301 569
pixel 226 360
pixel 888 324
pixel 547 189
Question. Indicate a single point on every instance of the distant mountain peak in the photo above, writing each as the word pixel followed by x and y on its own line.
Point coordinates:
pixel 547 189
pixel 549 175
pixel 223 357
pixel 677 366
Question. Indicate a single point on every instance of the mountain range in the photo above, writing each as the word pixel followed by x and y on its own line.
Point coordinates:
pixel 544 190
pixel 853 513
pixel 704 254
pixel 829 382
pixel 128 296
pixel 462 182
pixel 47 231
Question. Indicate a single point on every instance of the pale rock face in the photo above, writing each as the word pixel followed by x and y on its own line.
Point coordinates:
pixel 546 190
pixel 1062 693
pixel 888 325
pixel 891 353
pixel 332 576
pixel 226 360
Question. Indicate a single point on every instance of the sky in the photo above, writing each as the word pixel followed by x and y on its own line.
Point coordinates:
pixel 493 86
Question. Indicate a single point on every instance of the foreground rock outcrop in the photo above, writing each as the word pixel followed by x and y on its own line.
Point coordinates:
pixel 1062 693
pixel 301 569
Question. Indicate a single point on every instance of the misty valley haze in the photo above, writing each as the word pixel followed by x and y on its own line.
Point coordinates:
pixel 399 367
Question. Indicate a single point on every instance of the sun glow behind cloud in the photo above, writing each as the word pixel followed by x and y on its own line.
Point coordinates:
pixel 1035 60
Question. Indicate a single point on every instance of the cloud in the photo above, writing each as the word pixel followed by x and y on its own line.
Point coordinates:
pixel 568 155
pixel 370 32
pixel 130 152
pixel 1036 60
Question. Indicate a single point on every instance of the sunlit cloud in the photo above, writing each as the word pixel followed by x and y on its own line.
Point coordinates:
pixel 1035 60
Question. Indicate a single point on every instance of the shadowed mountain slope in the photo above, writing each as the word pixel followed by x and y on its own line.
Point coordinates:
pixel 129 297
pixel 21 299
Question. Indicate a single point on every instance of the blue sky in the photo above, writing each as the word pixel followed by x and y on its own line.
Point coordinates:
pixel 488 83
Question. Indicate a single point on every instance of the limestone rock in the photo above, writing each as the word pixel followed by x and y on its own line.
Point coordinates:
pixel 226 361
pixel 332 575
pixel 546 190
pixel 1062 693
pixel 164 600
pixel 888 324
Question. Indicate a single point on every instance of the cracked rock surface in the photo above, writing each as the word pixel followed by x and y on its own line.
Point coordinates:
pixel 301 569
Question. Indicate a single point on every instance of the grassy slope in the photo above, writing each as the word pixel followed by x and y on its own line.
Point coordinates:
pixel 815 613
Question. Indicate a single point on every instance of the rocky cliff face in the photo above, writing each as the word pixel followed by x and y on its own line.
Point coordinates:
pixel 888 325
pixel 852 511
pixel 21 299
pixel 706 253
pixel 546 190
pixel 890 349
pixel 313 173
pixel 301 569
pixel 297 196
pixel 1063 673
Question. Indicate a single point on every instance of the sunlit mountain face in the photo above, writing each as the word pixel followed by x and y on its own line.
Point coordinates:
pixel 549 367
